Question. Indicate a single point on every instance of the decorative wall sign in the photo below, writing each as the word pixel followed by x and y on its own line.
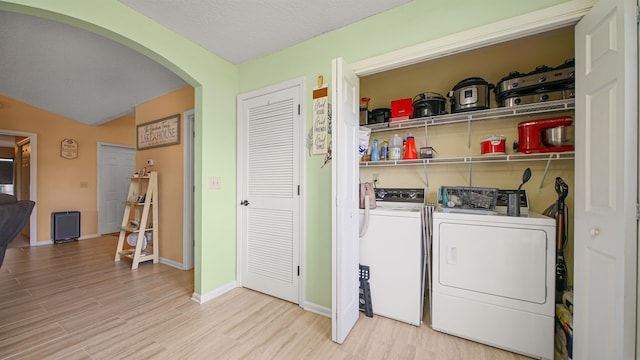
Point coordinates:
pixel 69 149
pixel 162 132
pixel 320 118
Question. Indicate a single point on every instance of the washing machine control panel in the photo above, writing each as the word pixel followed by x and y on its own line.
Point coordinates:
pixel 400 195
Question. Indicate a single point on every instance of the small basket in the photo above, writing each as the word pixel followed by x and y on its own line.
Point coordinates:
pixel 472 197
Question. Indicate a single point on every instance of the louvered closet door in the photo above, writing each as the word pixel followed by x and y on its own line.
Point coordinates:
pixel 269 223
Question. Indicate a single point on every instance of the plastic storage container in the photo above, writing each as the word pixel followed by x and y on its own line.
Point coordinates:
pixel 384 151
pixel 375 152
pixel 395 148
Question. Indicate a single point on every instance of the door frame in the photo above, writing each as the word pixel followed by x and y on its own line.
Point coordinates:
pixel 101 146
pixel 33 182
pixel 551 18
pixel 188 240
pixel 302 253
pixel 547 19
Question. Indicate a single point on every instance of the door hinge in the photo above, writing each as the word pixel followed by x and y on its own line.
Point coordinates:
pixel 298 109
pixel 298 190
pixel 637 211
pixel 298 270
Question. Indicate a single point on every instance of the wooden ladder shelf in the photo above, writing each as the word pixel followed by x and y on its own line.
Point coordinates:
pixel 142 201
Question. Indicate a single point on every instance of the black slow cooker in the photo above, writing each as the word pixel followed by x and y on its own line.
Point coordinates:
pixel 379 115
pixel 429 104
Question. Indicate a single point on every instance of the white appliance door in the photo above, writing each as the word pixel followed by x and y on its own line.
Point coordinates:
pixel 345 284
pixel 392 248
pixel 606 182
pixel 507 262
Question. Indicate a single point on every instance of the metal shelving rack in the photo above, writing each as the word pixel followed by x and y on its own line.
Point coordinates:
pixel 469 118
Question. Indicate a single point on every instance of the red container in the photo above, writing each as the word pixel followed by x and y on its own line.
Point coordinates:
pixel 402 107
pixel 493 145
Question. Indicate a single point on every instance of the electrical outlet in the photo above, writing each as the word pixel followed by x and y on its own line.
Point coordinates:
pixel 374 177
pixel 214 183
pixel 150 162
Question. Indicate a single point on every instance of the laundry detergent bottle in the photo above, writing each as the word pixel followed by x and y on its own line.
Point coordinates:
pixel 395 148
pixel 410 152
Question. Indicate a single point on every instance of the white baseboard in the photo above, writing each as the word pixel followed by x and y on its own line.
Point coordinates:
pixel 171 263
pixel 46 242
pixel 83 237
pixel 201 299
pixel 317 309
pixel 90 236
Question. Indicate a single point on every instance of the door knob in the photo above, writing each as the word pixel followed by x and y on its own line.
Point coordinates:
pixel 594 231
pixel 244 202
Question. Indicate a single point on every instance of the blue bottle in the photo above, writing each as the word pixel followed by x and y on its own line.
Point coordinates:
pixel 375 153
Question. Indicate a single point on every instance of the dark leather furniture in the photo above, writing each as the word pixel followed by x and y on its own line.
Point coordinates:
pixel 14 215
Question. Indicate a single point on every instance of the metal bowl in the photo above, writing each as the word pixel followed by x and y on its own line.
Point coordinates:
pixel 558 136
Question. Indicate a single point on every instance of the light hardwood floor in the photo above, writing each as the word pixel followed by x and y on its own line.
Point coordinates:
pixel 72 301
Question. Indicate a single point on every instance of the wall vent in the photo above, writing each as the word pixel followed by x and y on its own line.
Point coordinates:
pixel 65 226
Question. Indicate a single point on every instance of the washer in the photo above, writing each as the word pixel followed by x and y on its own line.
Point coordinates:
pixel 494 280
pixel 393 249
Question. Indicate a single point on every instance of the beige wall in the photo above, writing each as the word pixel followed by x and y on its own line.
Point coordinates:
pixel 7 152
pixel 492 64
pixel 59 179
pixel 168 162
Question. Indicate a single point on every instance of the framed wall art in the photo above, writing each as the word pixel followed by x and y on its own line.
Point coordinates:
pixel 69 149
pixel 161 132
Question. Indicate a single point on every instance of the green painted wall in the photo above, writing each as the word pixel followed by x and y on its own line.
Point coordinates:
pixel 410 24
pixel 217 83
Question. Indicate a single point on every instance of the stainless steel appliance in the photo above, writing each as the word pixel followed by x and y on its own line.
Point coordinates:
pixel 544 135
pixel 470 94
pixel 542 84
pixel 538 96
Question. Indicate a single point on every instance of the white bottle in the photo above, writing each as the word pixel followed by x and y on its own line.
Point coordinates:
pixel 395 148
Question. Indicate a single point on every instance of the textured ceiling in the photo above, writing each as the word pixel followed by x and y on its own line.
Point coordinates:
pixel 243 30
pixel 90 79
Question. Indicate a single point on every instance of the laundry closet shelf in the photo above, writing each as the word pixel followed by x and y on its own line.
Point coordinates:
pixel 567 155
pixel 495 113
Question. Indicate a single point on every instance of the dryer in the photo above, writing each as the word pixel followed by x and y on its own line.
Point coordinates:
pixel 494 280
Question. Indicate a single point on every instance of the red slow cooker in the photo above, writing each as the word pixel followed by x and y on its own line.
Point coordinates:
pixel 493 145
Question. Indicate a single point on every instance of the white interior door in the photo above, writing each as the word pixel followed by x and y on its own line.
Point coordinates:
pixel 344 195
pixel 269 166
pixel 116 165
pixel 606 182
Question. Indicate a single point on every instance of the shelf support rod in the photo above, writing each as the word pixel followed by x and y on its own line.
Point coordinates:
pixel 469 133
pixel 426 174
pixel 426 134
pixel 544 175
pixel 470 172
